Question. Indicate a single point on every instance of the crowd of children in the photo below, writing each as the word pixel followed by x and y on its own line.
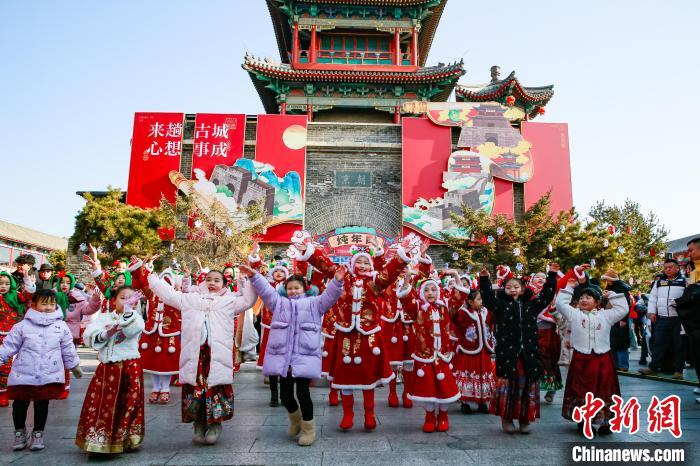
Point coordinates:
pixel 388 314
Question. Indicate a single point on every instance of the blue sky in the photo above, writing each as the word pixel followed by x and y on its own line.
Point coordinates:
pixel 74 72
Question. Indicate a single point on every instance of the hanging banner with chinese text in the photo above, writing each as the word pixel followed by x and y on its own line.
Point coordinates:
pixel 156 148
pixel 218 140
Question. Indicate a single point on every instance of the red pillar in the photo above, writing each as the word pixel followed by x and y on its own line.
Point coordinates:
pixel 312 48
pixel 397 115
pixel 397 47
pixel 414 47
pixel 295 44
pixel 309 112
pixel 283 108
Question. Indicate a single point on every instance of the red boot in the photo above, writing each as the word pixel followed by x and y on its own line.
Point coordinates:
pixel 3 400
pixel 443 424
pixel 368 398
pixel 333 397
pixel 66 389
pixel 348 414
pixel 429 424
pixel 393 398
pixel 407 378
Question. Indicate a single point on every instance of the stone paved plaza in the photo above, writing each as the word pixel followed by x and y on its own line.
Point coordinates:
pixel 257 434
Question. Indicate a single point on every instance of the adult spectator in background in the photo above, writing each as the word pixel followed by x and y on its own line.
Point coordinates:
pixel 24 263
pixel 43 281
pixel 688 307
pixel 661 310
pixel 640 327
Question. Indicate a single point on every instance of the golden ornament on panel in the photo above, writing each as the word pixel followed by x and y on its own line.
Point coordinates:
pixel 294 137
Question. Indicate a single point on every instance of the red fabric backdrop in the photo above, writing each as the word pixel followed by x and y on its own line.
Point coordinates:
pixel 550 152
pixel 426 149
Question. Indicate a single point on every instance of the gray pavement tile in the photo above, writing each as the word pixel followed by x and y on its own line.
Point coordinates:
pixel 422 458
pixel 502 456
pixel 48 457
pixel 301 458
pixel 280 443
pixel 257 433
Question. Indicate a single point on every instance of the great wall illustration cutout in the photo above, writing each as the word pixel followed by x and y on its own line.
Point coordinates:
pixel 244 183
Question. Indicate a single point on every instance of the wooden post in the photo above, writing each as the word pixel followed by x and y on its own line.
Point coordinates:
pixel 295 44
pixel 397 47
pixel 312 47
pixel 283 108
pixel 414 47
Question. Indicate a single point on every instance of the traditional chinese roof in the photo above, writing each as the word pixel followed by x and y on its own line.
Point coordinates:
pixel 429 25
pixel 19 234
pixel 445 76
pixel 498 90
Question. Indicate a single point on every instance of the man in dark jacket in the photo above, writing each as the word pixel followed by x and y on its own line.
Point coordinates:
pixel 667 325
pixel 688 308
pixel 24 263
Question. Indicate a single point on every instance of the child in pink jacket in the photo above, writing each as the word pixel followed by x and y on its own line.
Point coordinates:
pixel 82 308
pixel 43 346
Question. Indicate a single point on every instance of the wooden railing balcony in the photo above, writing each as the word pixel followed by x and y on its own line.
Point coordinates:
pixel 343 57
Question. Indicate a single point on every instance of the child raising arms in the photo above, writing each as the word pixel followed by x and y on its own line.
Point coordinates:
pixel 294 344
pixel 206 356
pixel 112 420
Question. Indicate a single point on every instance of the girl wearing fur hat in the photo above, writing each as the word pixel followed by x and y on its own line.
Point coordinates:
pixel 434 384
pixel 206 358
pixel 112 417
pixel 159 344
pixel 328 330
pixel 473 363
pixel 277 275
pixel 295 342
pixel 518 368
pixel 399 341
pixel 11 311
pixel 548 342
pixel 360 361
pixel 592 368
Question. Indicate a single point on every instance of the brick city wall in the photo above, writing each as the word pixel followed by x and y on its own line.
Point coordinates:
pixel 369 149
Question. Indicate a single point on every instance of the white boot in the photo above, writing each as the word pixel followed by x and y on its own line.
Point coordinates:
pixel 200 431
pixel 308 433
pixel 213 434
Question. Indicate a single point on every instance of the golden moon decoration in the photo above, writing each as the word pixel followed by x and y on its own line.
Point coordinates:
pixel 294 137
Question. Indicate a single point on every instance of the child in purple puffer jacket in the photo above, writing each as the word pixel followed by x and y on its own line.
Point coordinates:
pixel 43 346
pixel 294 347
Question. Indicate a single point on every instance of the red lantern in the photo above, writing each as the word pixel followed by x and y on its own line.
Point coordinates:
pixel 510 100
pixel 612 229
pixel 540 110
pixel 652 252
